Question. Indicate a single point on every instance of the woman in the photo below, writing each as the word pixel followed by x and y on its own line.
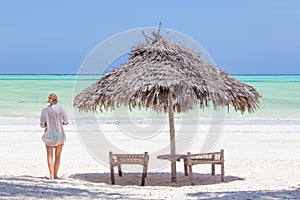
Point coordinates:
pixel 53 117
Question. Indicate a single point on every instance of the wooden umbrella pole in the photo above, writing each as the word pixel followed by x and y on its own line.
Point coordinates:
pixel 172 136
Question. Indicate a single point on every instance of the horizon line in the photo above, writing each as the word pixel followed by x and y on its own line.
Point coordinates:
pixel 250 74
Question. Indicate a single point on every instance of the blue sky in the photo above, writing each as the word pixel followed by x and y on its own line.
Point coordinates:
pixel 243 37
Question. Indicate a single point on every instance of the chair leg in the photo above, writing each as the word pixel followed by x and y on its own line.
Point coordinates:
pixel 144 175
pixel 145 167
pixel 222 166
pixel 145 170
pixel 185 164
pixel 120 170
pixel 112 175
pixel 222 172
pixel 191 175
pixel 213 169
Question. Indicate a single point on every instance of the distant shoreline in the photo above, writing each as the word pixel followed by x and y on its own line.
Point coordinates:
pixel 102 74
pixel 203 121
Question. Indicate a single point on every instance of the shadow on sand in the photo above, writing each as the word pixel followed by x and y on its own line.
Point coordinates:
pixel 154 179
pixel 278 194
pixel 97 186
pixel 29 187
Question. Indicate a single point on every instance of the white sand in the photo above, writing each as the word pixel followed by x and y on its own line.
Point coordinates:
pixel 262 162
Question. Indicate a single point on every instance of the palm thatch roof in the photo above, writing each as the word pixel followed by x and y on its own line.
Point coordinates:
pixel 161 66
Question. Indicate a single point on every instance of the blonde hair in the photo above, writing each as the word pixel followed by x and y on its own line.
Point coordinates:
pixel 52 98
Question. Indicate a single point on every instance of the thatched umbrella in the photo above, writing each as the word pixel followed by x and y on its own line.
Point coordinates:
pixel 167 77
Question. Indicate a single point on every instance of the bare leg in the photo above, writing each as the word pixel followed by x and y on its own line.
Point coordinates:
pixel 50 161
pixel 58 150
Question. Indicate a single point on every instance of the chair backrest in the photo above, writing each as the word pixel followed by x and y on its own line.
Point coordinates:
pixel 117 159
pixel 206 158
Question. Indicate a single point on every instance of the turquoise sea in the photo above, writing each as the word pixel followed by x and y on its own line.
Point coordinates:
pixel 26 95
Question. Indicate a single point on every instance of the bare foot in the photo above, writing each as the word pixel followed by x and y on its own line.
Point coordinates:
pixel 56 177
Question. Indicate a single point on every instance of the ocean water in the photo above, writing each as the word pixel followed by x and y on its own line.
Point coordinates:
pixel 26 95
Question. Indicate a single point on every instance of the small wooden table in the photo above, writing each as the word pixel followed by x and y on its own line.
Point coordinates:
pixel 176 157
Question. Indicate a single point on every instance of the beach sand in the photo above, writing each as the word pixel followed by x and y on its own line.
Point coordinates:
pixel 261 162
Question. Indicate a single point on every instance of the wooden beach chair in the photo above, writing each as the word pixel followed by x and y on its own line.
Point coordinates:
pixel 205 158
pixel 119 159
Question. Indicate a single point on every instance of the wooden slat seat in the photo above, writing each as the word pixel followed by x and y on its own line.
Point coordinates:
pixel 119 159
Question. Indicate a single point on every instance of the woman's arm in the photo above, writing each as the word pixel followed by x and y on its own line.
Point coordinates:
pixel 64 117
pixel 43 123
